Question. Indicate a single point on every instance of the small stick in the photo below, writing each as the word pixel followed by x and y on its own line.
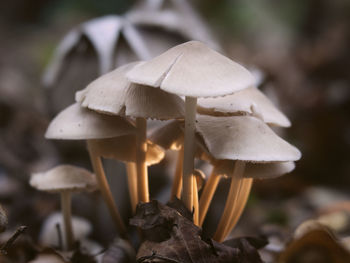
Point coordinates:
pixel 5 247
pixel 231 201
pixel 67 219
pixel 106 191
pixel 132 183
pixel 177 183
pixel 189 152
pixel 241 203
pixel 207 195
pixel 141 166
pixel 195 202
pixel 59 235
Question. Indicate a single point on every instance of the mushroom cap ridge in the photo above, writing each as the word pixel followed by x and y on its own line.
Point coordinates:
pixel 192 69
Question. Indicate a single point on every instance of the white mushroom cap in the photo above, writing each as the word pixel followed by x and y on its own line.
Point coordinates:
pixel 254 170
pixel 192 69
pixel 104 34
pixel 246 101
pixel 48 233
pixel 114 94
pixel 64 178
pixel 47 258
pixel 77 123
pixel 123 149
pixel 244 138
pixel 169 136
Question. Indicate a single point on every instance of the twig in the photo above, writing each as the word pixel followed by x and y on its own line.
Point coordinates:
pixel 5 247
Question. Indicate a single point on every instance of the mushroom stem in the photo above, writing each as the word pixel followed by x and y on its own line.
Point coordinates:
pixel 105 190
pixel 141 166
pixel 231 201
pixel 189 151
pixel 195 202
pixel 67 219
pixel 132 182
pixel 207 195
pixel 177 184
pixel 241 203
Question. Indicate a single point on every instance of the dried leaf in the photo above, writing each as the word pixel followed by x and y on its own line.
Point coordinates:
pixel 171 237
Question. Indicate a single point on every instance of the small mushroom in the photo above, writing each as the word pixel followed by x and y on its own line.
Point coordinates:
pixel 245 102
pixel 77 123
pixel 242 139
pixel 65 180
pixel 114 94
pixel 170 137
pixel 49 235
pixel 192 70
pixel 123 149
pixel 198 181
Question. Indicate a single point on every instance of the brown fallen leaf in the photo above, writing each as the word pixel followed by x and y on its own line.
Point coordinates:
pixel 171 237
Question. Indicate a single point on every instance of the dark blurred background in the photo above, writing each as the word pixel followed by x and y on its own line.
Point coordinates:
pixel 301 47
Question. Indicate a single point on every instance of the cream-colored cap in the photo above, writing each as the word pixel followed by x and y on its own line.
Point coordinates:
pixel 192 69
pixel 244 138
pixel 248 101
pixel 64 178
pixel 112 93
pixel 48 233
pixel 254 170
pixel 77 123
pixel 169 136
pixel 123 149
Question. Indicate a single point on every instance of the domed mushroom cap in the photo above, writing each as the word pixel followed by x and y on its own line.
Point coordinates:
pixel 169 136
pixel 112 93
pixel 254 170
pixel 192 69
pixel 123 149
pixel 64 178
pixel 48 233
pixel 244 102
pixel 77 123
pixel 244 138
pixel 268 170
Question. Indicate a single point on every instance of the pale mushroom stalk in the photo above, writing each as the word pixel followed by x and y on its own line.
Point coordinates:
pixel 231 201
pixel 177 183
pixel 241 203
pixel 207 195
pixel 67 219
pixel 132 183
pixel 189 151
pixel 141 166
pixel 195 202
pixel 105 189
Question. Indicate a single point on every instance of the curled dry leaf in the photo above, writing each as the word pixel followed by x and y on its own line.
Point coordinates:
pixel 172 237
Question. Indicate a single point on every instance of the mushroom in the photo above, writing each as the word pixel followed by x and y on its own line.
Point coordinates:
pixel 250 101
pixel 198 182
pixel 65 180
pixel 77 123
pixel 48 233
pixel 114 94
pixel 191 70
pixel 170 137
pixel 241 139
pixel 123 149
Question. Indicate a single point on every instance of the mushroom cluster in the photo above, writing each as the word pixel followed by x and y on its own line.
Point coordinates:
pixel 217 115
